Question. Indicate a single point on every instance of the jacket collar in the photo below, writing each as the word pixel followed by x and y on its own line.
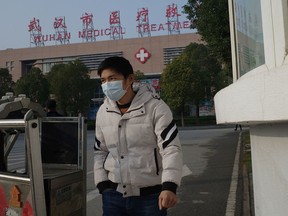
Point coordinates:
pixel 144 94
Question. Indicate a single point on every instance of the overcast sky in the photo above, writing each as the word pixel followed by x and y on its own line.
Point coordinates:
pixel 16 15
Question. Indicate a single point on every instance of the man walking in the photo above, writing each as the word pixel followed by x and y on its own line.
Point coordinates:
pixel 138 157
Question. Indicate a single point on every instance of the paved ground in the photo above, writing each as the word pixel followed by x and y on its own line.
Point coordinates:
pixel 205 192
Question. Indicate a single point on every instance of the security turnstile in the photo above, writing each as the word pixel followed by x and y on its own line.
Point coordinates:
pixel 52 179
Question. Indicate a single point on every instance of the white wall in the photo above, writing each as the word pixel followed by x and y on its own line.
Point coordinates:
pixel 260 99
pixel 270 169
pixel 258 96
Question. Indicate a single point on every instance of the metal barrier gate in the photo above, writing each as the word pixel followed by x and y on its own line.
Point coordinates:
pixel 51 181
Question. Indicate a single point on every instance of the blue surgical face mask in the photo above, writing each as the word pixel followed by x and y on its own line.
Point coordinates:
pixel 114 90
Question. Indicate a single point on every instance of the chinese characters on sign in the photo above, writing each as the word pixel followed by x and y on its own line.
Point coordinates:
pixel 88 28
pixel 142 15
pixel 89 31
pixel 172 19
pixel 59 23
pixel 172 11
pixel 35 32
pixel 172 24
pixel 115 30
pixel 87 19
pixel 38 39
pixel 114 17
pixel 143 22
pixel 34 25
pixel 61 33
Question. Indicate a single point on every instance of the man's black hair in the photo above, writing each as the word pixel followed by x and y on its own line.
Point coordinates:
pixel 51 104
pixel 118 64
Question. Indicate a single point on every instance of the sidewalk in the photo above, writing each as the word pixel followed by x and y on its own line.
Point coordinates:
pixel 203 127
pixel 248 200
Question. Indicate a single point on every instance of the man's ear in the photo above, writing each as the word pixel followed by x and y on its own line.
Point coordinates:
pixel 131 78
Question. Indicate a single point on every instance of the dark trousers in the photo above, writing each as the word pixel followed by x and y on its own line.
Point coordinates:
pixel 238 125
pixel 114 204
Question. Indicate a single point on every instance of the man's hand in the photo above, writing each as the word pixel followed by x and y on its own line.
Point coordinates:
pixel 167 199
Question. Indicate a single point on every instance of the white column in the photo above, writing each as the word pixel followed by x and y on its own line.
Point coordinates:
pixel 269 144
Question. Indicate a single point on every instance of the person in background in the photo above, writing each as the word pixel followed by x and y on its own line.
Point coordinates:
pixel 51 108
pixel 238 125
pixel 138 156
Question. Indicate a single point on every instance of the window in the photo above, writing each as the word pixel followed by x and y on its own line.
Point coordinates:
pixel 171 53
pixel 10 65
pixel 47 67
pixel 49 63
pixel 92 61
pixel 249 35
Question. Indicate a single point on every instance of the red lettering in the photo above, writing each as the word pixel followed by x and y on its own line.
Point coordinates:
pixel 87 19
pixel 115 31
pixel 107 31
pixel 34 25
pixel 81 34
pixel 45 38
pixel 177 25
pixel 186 24
pixel 172 11
pixel 59 37
pixel 161 27
pixel 89 33
pixel 153 27
pixel 37 39
pixel 115 17
pixel 59 22
pixel 142 15
pixel 67 35
pixel 51 37
pixel 145 27
pixel 138 28
pixel 168 24
pixel 96 33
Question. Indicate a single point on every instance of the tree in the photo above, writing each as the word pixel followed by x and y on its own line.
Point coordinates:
pixel 139 75
pixel 176 84
pixel 34 85
pixel 192 77
pixel 211 19
pixel 6 82
pixel 207 78
pixel 71 85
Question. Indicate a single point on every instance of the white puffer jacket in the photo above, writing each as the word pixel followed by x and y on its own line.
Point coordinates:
pixel 140 148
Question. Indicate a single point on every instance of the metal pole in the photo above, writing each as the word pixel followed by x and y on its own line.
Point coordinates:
pixel 2 158
pixel 12 123
pixel 83 165
pixel 35 164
